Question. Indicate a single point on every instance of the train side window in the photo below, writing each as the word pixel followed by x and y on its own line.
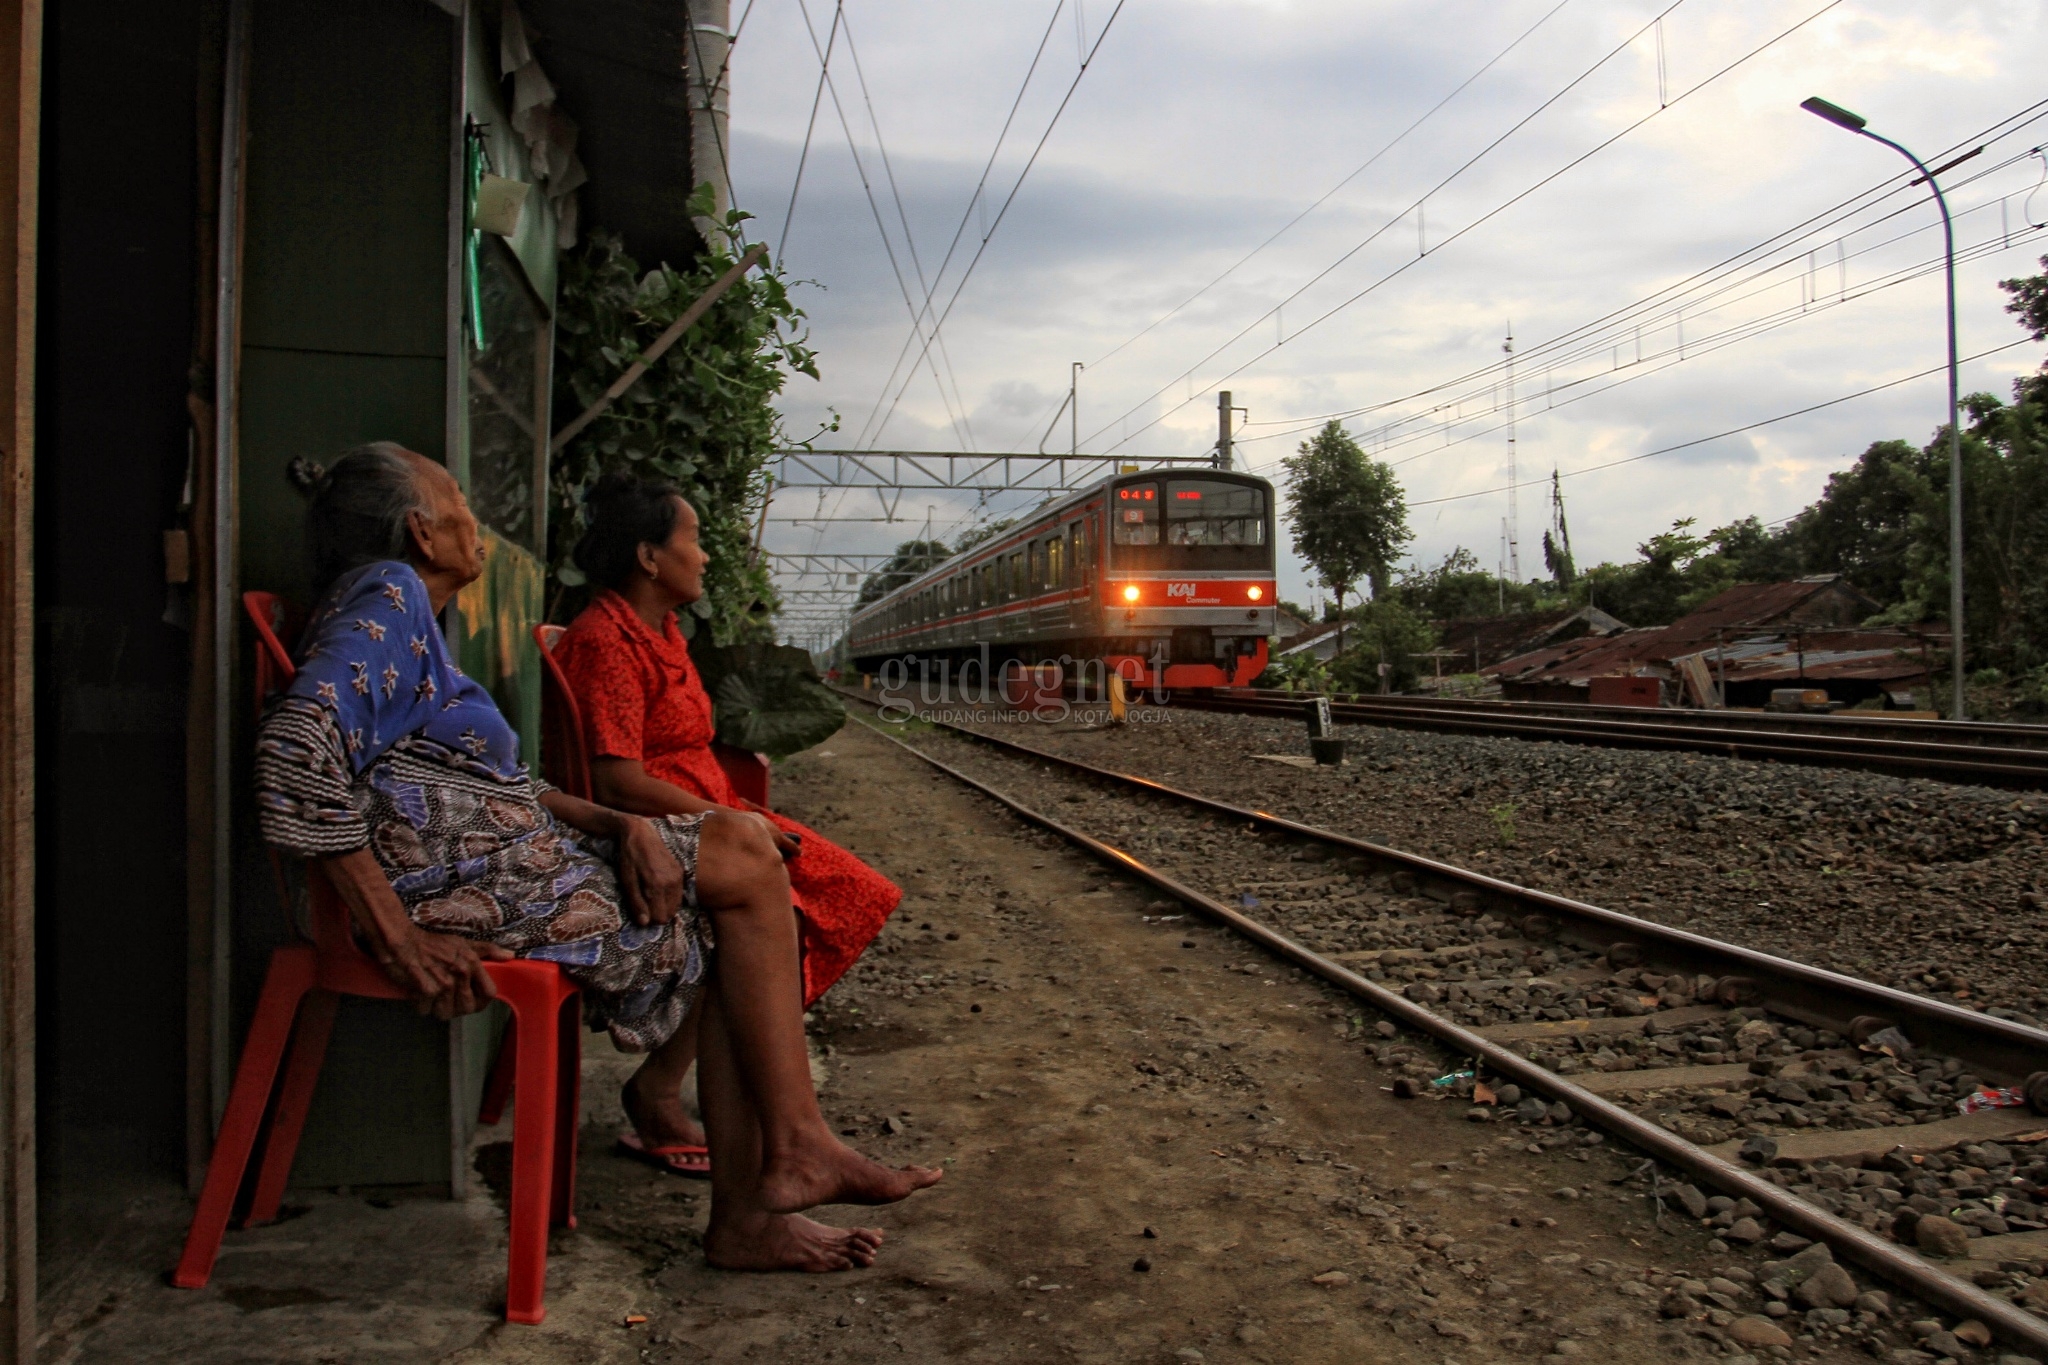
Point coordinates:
pixel 1017 575
pixel 1055 563
pixel 1035 573
pixel 1080 547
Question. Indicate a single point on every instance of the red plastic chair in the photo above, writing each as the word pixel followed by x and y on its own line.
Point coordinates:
pixel 565 752
pixel 301 992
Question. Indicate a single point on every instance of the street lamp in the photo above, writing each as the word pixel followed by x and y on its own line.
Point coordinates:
pixel 1856 123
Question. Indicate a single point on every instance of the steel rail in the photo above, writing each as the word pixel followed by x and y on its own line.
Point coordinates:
pixel 2013 734
pixel 1811 995
pixel 1873 1253
pixel 1914 758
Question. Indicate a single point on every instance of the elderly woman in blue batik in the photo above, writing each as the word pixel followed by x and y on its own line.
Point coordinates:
pixel 399 777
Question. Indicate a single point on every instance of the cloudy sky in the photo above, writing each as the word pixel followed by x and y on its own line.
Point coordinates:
pixel 1229 199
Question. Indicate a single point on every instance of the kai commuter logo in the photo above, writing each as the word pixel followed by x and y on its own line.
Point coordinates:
pixel 1181 590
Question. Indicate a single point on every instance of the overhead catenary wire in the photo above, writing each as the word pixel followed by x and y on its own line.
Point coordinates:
pixel 903 218
pixel 967 214
pixel 1430 425
pixel 1468 228
pixel 1322 199
pixel 1684 295
pixel 1325 197
pixel 1645 370
pixel 875 208
pixel 803 156
pixel 1010 198
pixel 1731 431
pixel 711 89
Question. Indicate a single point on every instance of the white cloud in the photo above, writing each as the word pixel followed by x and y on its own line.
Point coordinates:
pixel 1202 128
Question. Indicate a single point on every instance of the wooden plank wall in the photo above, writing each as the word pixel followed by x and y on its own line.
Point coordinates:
pixel 21 44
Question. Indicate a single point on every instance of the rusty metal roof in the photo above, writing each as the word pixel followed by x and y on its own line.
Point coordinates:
pixel 1815 654
pixel 1826 600
pixel 1489 639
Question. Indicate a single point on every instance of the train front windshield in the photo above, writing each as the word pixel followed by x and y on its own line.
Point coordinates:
pixel 1190 524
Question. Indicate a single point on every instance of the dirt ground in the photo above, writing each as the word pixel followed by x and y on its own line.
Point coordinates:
pixel 1158 1145
pixel 1108 1090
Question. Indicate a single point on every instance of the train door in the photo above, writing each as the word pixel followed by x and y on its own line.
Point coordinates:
pixel 1084 609
pixel 1057 613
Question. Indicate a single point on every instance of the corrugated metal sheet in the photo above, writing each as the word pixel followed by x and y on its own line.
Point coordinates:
pixel 1828 600
pixel 1489 639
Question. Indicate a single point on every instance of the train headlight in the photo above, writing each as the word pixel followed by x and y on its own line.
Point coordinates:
pixel 1255 592
pixel 1131 592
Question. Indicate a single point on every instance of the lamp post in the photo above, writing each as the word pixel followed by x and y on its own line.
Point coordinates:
pixel 1856 123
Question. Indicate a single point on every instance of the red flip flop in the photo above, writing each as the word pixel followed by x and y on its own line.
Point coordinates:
pixel 680 1159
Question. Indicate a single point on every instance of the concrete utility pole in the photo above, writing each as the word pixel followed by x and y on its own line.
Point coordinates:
pixel 1223 429
pixel 706 60
pixel 1514 470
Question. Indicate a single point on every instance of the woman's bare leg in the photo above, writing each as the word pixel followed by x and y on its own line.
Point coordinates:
pixel 742 885
pixel 653 1098
pixel 744 1234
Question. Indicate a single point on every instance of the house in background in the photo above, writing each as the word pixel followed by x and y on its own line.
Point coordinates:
pixel 1739 646
pixel 1471 643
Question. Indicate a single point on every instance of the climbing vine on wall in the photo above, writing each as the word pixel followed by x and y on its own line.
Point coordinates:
pixel 703 417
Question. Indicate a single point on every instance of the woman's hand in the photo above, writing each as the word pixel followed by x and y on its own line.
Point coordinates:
pixel 649 875
pixel 443 974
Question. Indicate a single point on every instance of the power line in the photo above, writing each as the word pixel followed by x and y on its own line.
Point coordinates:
pixel 903 218
pixel 1472 226
pixel 1383 439
pixel 881 226
pixel 1731 431
pixel 1009 199
pixel 967 213
pixel 1675 298
pixel 1325 197
pixel 817 99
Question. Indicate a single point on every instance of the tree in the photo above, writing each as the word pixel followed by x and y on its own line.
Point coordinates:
pixel 1458 589
pixel 912 558
pixel 1386 633
pixel 703 417
pixel 1349 515
pixel 1557 557
pixel 967 540
pixel 1651 591
pixel 2030 301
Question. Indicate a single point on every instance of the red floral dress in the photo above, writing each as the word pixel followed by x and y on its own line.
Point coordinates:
pixel 641 698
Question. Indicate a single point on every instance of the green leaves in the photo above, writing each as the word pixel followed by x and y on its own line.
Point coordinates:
pixel 703 417
pixel 768 698
pixel 1348 511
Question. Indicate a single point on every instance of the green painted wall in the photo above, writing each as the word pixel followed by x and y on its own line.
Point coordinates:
pixel 344 341
pixel 343 331
pixel 345 262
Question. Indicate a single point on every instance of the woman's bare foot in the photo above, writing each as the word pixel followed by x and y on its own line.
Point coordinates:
pixel 781 1241
pixel 828 1172
pixel 660 1120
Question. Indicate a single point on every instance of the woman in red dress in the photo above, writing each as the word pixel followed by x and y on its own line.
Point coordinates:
pixel 648 727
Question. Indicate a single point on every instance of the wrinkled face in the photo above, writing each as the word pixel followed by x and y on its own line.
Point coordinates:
pixel 445 533
pixel 677 564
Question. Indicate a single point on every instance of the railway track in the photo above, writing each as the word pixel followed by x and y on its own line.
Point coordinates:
pixel 1637 1028
pixel 1993 755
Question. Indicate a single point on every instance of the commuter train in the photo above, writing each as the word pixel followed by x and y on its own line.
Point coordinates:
pixel 1166 577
